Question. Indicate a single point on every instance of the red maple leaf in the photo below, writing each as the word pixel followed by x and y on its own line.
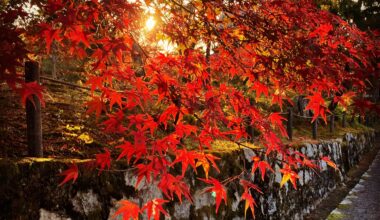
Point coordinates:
pixel 171 185
pixel 309 164
pixel 362 106
pixel 114 123
pixel 115 98
pixel 170 112
pixel 170 142
pixel 103 160
pixel 260 89
pixel 156 166
pixel 50 35
pixel 186 158
pixel 322 31
pixel 218 189
pixel 96 82
pixel 95 105
pixel 318 105
pixel 30 90
pixel 262 165
pixel 276 120
pixel 77 35
pixel 277 99
pixel 70 173
pixel 127 151
pixel 185 130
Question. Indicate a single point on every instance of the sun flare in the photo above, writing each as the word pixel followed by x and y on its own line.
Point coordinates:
pixel 150 23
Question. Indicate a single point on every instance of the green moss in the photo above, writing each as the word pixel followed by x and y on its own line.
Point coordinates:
pixel 302 132
pixel 344 206
pixel 30 160
pixel 223 146
pixel 335 216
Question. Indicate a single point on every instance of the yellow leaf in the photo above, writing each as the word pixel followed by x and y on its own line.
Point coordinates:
pixel 69 134
pixel 86 138
pixel 205 164
pixel 285 178
pixel 309 63
pixel 73 127
pixel 246 208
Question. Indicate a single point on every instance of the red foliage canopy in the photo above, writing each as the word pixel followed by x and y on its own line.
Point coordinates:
pixel 227 57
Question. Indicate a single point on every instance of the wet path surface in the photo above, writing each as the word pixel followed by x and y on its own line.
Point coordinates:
pixel 363 201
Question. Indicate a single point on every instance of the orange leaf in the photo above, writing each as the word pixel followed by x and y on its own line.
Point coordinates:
pixel 128 210
pixel 204 161
pixel 249 203
pixel 329 162
pixel 154 208
pixel 288 174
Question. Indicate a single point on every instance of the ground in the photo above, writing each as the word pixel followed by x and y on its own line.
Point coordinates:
pixel 67 130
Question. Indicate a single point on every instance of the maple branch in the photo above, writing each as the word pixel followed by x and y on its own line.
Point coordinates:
pixel 183 7
pixel 230 179
pixel 116 170
pixel 241 144
pixel 140 47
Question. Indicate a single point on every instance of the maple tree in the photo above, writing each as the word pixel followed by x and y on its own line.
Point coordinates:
pixel 228 57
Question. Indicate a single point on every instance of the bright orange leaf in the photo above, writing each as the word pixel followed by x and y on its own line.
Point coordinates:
pixel 128 210
pixel 329 162
pixel 154 208
pixel 287 175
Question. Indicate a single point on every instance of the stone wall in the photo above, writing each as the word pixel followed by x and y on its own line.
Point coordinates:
pixel 29 187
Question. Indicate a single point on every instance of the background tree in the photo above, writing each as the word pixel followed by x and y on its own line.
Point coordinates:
pixel 363 13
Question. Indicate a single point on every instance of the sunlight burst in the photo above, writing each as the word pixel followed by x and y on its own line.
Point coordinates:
pixel 150 23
